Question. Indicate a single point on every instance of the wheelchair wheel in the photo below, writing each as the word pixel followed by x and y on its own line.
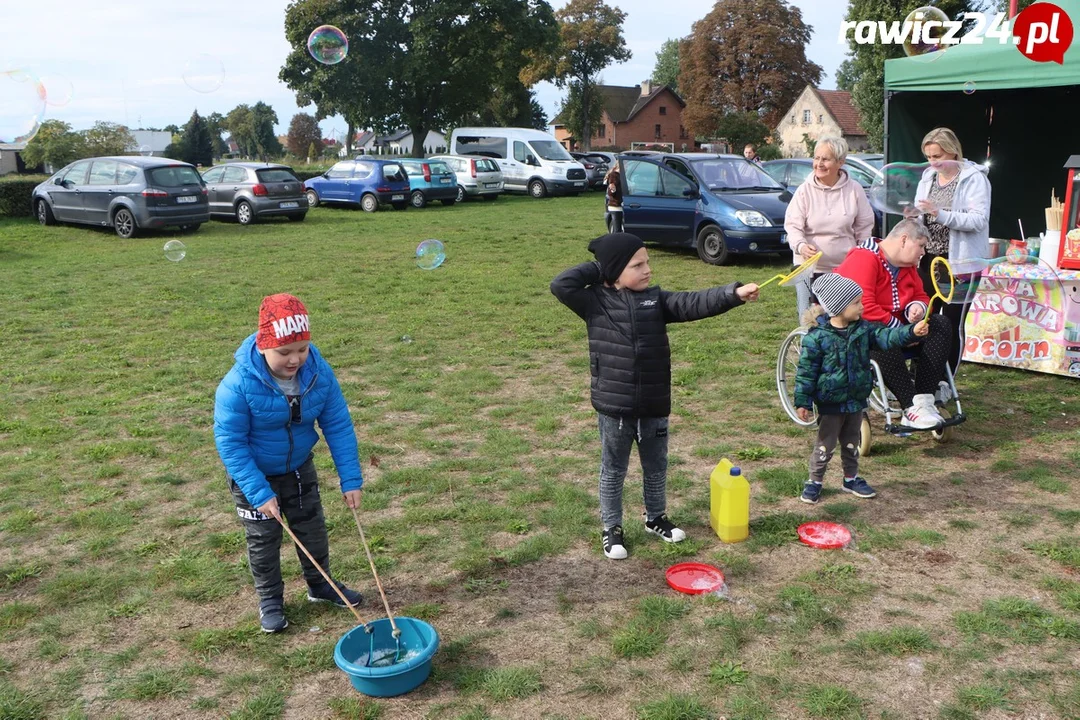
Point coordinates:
pixel 787 364
pixel 864 436
pixel 944 434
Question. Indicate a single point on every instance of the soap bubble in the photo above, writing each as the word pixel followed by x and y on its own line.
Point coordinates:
pixel 175 250
pixel 969 87
pixel 328 45
pixel 430 254
pixel 406 339
pixel 204 73
pixel 22 106
pixel 145 150
pixel 894 190
pixel 914 44
pixel 58 90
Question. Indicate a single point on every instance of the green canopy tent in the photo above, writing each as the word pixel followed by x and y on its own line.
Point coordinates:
pixel 1022 115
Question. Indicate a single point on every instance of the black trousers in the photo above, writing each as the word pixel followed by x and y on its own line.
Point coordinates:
pixel 956 311
pixel 298 499
pixel 931 354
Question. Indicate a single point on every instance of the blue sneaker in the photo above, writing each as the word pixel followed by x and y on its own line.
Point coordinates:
pixel 324 593
pixel 811 493
pixel 858 487
pixel 272 615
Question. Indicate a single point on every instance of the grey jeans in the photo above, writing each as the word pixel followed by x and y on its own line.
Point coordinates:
pixel 617 436
pixel 298 499
pixel 847 429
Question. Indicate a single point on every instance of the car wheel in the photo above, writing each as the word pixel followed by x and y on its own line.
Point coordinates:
pixel 711 246
pixel 401 206
pixel 369 203
pixel 44 213
pixel 190 228
pixel 298 217
pixel 417 199
pixel 448 202
pixel 537 189
pixel 244 214
pixel 312 198
pixel 124 223
pixel 460 194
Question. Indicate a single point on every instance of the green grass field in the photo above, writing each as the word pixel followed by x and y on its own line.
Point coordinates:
pixel 124 591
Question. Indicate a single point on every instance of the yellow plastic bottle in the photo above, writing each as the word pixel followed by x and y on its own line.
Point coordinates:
pixel 729 502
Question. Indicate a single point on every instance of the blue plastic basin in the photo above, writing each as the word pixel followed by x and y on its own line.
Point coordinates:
pixel 419 641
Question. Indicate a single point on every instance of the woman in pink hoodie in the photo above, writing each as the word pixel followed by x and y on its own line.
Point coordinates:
pixel 828 212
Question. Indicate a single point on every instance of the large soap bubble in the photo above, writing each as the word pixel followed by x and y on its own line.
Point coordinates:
pixel 893 191
pixel 927 40
pixel 22 106
pixel 328 45
pixel 430 254
pixel 204 73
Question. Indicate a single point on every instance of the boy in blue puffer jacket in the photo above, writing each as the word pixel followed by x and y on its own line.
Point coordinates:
pixel 834 373
pixel 264 427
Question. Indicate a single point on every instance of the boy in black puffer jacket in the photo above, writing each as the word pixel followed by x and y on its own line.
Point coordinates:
pixel 834 373
pixel 630 362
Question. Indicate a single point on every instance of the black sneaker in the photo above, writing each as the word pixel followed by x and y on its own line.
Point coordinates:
pixel 858 487
pixel 324 593
pixel 665 528
pixel 272 615
pixel 613 543
pixel 811 492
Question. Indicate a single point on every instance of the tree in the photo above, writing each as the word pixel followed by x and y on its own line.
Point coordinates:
pixel 195 145
pixel 106 138
pixel 863 72
pixel 54 145
pixel 744 56
pixel 419 65
pixel 253 130
pixel 741 128
pixel 592 39
pixel 215 125
pixel 304 131
pixel 312 151
pixel 666 71
pixel 573 112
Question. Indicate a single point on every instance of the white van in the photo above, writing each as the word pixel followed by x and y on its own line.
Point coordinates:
pixel 531 161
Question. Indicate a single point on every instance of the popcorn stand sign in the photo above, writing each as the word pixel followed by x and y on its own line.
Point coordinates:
pixel 1026 316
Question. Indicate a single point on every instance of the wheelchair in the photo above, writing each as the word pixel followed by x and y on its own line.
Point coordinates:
pixel 880 401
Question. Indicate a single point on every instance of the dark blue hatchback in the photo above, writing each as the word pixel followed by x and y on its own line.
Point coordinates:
pixel 717 204
pixel 368 182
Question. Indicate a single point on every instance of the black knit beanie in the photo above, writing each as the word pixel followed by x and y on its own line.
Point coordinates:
pixel 614 252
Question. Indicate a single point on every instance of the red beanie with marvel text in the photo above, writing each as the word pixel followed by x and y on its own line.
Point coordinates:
pixel 283 319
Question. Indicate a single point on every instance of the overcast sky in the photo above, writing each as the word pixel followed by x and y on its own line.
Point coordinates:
pixel 124 60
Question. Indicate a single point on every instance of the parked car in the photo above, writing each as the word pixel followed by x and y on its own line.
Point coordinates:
pixel 531 161
pixel 249 191
pixel 717 204
pixel 596 167
pixel 430 180
pixel 476 176
pixel 128 194
pixel 791 172
pixel 872 161
pixel 366 181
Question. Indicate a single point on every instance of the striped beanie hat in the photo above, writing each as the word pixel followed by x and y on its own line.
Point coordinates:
pixel 835 292
pixel 283 319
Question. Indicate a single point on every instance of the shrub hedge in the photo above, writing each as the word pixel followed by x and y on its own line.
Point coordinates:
pixel 15 193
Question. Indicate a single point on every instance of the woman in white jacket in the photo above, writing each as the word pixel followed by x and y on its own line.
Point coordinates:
pixel 954 199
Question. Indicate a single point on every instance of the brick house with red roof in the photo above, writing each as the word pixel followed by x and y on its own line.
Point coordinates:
pixel 644 113
pixel 817 113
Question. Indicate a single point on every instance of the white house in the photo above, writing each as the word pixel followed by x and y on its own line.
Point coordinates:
pixel 9 157
pixel 150 142
pixel 396 143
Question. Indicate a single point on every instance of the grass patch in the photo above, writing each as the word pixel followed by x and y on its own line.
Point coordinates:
pixel 675 707
pixel 832 701
pixel 896 641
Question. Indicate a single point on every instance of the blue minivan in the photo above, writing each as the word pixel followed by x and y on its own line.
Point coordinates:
pixel 716 204
pixel 430 180
pixel 365 181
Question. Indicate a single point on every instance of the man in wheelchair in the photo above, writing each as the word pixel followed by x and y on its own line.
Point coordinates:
pixel 893 295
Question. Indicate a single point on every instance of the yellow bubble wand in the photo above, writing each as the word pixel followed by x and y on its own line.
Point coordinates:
pixel 789 279
pixel 943 264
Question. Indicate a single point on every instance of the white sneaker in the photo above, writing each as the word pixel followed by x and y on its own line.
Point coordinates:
pixel 943 394
pixel 922 415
